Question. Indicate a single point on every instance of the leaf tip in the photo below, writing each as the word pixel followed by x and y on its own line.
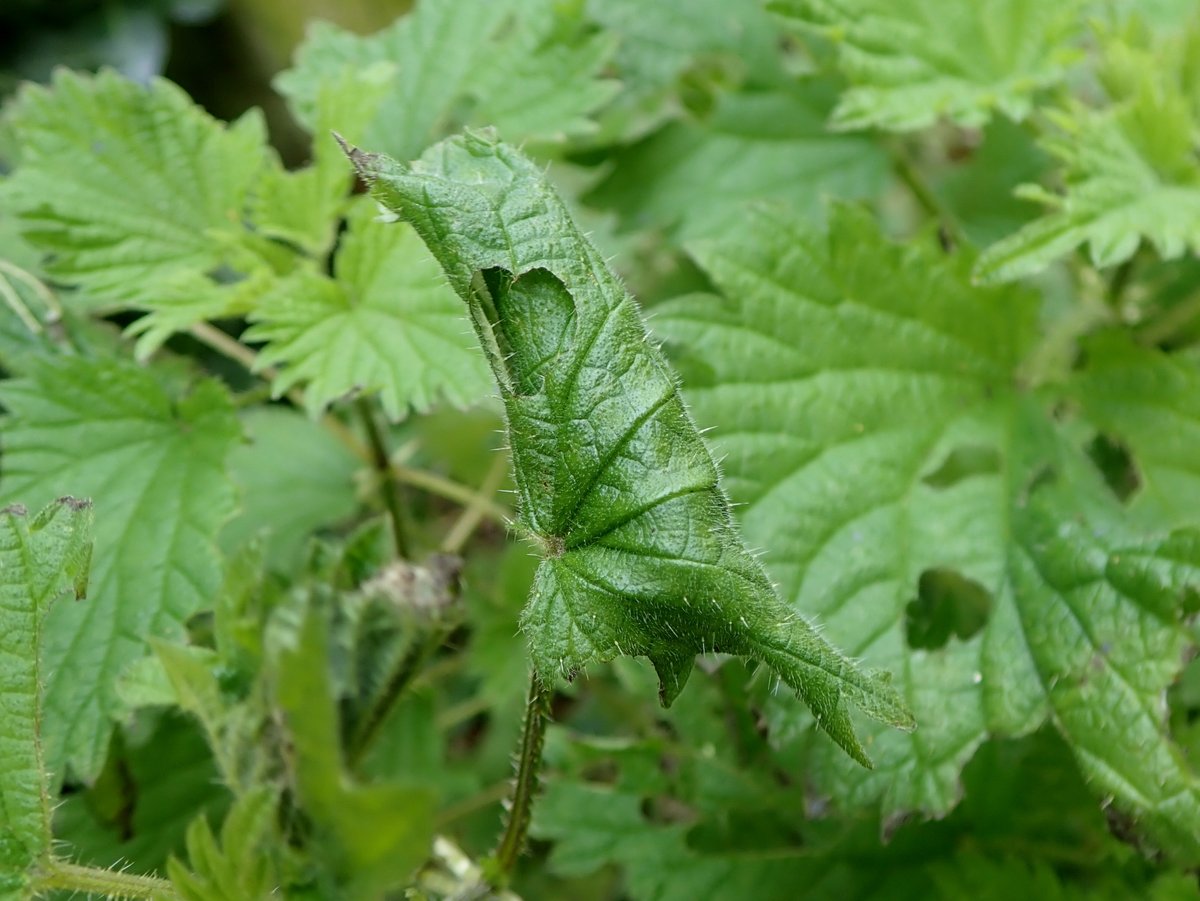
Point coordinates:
pixel 363 162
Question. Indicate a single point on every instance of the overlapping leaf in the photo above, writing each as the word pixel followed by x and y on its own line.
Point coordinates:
pixel 641 556
pixel 386 322
pixel 768 144
pixel 1130 172
pixel 155 468
pixel 868 408
pixel 40 558
pixel 126 184
pixel 528 67
pixel 913 62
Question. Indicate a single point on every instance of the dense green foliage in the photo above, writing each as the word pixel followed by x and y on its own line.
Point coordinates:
pixel 949 475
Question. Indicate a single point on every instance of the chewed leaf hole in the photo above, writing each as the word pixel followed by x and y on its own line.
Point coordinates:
pixel 963 463
pixel 947 603
pixel 1116 464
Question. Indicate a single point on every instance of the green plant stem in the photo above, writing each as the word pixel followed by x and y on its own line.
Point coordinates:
pixel 474 512
pixel 1169 323
pixel 449 489
pixel 908 173
pixel 389 485
pixel 529 763
pixel 72 877
pixel 235 350
pixel 407 668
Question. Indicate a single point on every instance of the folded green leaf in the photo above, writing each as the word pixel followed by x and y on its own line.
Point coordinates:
pixel 40 559
pixel 641 555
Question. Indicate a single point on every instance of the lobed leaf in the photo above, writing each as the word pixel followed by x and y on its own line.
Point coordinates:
pixel 528 67
pixel 875 427
pixel 913 62
pixel 385 322
pixel 128 184
pixel 640 553
pixel 156 469
pixel 1129 170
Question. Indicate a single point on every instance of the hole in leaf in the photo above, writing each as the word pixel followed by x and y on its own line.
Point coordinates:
pixel 1116 464
pixel 962 463
pixel 947 603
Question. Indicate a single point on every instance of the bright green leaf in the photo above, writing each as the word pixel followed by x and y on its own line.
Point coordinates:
pixel 155 468
pixel 371 837
pixel 294 478
pixel 867 408
pixel 755 146
pixel 641 556
pixel 128 184
pixel 386 322
pixel 1129 170
pixel 913 62
pixel 40 559
pixel 527 67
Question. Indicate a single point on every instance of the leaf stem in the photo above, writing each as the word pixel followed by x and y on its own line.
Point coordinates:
pixel 1170 322
pixel 475 510
pixel 231 347
pixel 449 489
pixel 407 668
pixel 908 173
pixel 71 877
pixel 529 762
pixel 381 459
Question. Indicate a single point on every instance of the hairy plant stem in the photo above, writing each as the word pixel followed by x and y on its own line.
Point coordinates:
pixel 908 173
pixel 525 786
pixel 58 874
pixel 381 459
pixel 407 668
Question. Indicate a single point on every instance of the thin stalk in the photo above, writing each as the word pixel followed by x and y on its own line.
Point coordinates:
pixel 235 350
pixel 407 668
pixel 1172 321
pixel 475 511
pixel 72 877
pixel 382 461
pixel 449 489
pixel 525 787
pixel 908 173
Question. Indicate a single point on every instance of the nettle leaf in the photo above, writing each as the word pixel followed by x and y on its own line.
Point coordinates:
pixel 754 146
pixel 528 67
pixel 368 837
pixel 41 558
pixel 831 357
pixel 385 322
pixel 155 467
pixel 125 184
pixel 1129 170
pixel 640 554
pixel 913 62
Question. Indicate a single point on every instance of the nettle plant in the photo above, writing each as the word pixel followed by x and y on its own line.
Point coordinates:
pixel 284 613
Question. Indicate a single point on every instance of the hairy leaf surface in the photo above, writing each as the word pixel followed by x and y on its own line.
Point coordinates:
pixel 641 556
pixel 41 558
pixel 913 62
pixel 872 423
pixel 155 468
